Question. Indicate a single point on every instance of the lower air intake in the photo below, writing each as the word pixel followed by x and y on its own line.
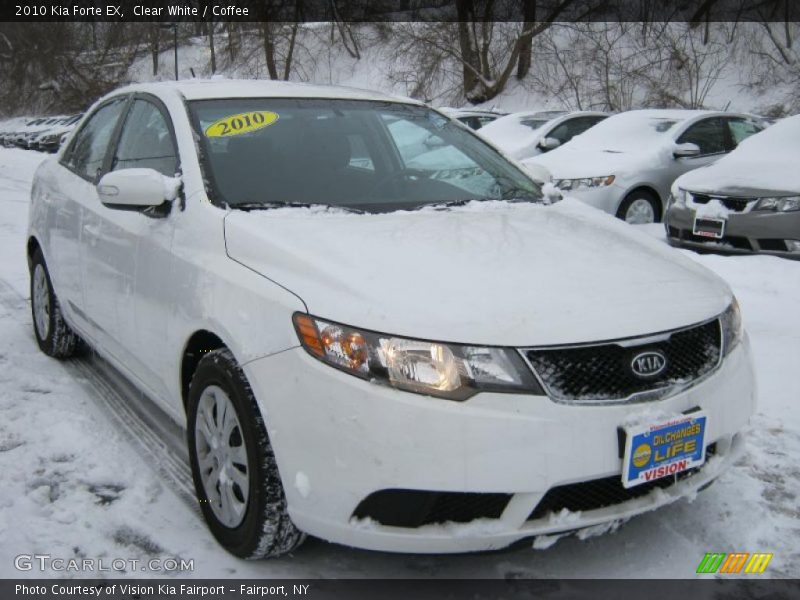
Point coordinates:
pixel 414 508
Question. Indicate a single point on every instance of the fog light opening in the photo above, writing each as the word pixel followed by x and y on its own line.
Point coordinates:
pixel 792 245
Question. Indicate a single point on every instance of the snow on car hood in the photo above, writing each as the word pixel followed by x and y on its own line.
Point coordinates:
pixel 574 162
pixel 762 164
pixel 486 273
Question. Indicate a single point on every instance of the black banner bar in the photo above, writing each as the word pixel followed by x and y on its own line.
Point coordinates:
pixel 400 10
pixel 408 589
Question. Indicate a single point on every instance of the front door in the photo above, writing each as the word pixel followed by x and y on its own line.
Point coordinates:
pixel 127 253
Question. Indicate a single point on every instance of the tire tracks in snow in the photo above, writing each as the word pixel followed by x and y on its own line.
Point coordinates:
pixel 150 431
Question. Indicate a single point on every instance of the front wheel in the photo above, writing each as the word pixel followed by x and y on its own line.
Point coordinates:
pixel 54 336
pixel 639 208
pixel 233 466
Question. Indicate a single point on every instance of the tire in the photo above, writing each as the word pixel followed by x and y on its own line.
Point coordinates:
pixel 635 206
pixel 257 524
pixel 54 336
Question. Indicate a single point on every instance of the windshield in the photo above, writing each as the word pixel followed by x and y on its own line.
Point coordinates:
pixel 626 132
pixel 360 155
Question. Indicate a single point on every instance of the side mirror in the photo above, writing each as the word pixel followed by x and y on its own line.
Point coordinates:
pixel 549 143
pixel 685 150
pixel 135 189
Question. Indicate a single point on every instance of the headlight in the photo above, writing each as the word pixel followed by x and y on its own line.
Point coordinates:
pixel 779 204
pixel 585 182
pixel 731 325
pixel 678 199
pixel 452 371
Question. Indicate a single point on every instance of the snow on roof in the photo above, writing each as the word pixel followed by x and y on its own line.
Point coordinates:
pixel 200 89
pixel 635 129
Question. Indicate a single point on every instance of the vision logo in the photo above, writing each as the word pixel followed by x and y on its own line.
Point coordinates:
pixel 733 563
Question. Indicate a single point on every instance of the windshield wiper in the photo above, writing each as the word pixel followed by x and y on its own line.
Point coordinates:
pixel 248 206
pixel 451 203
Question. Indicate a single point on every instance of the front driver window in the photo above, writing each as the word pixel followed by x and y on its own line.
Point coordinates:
pixel 146 141
pixel 708 134
pixel 89 149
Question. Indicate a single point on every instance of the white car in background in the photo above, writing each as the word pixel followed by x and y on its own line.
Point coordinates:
pixel 365 353
pixel 626 164
pixel 524 135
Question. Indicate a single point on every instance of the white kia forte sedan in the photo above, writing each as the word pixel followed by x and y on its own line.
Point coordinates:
pixel 363 352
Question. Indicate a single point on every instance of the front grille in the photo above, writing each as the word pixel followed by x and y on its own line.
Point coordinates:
pixel 603 373
pixel 600 493
pixel 414 508
pixel 737 204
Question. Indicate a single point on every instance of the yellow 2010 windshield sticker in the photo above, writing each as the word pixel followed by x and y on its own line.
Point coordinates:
pixel 241 123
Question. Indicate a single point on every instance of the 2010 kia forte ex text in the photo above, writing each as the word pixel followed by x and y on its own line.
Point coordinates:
pixel 374 327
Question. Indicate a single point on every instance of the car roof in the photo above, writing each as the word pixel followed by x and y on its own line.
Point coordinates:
pixel 674 114
pixel 221 88
pixel 552 115
pixel 478 112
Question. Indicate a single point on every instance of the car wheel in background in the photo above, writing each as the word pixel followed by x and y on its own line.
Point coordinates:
pixel 54 336
pixel 235 474
pixel 640 207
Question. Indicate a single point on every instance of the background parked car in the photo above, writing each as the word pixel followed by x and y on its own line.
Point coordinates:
pixel 9 128
pixel 49 140
pixel 626 164
pixel 474 118
pixel 527 134
pixel 748 201
pixel 40 133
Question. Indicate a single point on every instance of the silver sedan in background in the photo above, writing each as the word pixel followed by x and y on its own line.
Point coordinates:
pixel 626 164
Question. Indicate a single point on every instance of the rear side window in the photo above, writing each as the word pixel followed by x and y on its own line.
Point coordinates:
pixel 146 141
pixel 86 155
pixel 741 129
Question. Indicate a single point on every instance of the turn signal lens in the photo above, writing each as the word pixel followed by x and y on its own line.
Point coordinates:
pixel 308 334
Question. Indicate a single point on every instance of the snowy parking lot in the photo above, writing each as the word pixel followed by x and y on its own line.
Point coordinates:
pixel 77 481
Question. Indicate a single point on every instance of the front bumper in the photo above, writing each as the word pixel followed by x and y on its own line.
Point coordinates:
pixel 745 233
pixel 338 439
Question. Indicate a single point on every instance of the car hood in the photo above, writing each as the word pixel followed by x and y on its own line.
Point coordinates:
pixel 735 176
pixel 486 273
pixel 572 162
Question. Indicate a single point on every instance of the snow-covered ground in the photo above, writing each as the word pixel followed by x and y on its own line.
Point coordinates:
pixel 73 484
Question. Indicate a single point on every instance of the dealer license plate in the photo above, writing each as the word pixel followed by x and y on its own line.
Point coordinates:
pixel 659 450
pixel 710 228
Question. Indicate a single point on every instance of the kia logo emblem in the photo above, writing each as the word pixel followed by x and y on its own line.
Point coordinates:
pixel 648 364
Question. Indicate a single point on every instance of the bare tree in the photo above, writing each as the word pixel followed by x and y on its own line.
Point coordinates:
pixel 51 68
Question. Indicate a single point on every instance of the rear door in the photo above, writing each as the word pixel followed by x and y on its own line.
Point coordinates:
pixel 81 166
